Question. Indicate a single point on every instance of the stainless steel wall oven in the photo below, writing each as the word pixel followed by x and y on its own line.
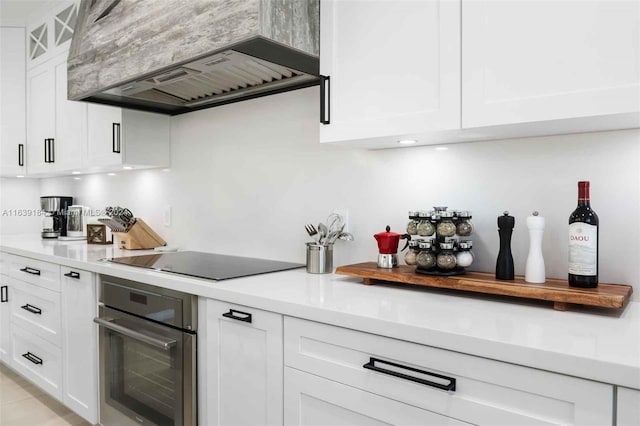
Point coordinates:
pixel 147 349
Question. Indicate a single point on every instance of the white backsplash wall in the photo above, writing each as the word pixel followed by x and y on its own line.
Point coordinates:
pixel 19 206
pixel 246 177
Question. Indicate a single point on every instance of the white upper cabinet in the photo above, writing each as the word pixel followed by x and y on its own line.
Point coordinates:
pixel 533 61
pixel 393 67
pixel 50 34
pixel 56 127
pixel 123 137
pixel 12 101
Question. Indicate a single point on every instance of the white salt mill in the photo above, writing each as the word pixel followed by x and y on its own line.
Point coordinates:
pixel 534 269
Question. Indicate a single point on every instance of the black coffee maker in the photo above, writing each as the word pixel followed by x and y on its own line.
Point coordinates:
pixel 54 221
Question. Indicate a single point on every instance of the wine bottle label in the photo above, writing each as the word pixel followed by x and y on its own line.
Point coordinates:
pixel 583 249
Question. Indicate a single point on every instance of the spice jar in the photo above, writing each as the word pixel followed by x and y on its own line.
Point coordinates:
pixel 410 257
pixel 464 257
pixel 464 227
pixel 426 258
pixel 446 259
pixel 412 226
pixel 425 226
pixel 446 227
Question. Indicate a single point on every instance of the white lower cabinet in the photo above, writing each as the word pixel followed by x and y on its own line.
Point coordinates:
pixel 314 401
pixel 467 388
pixel 79 343
pixel 242 366
pixel 37 310
pixel 37 359
pixel 628 413
pixel 5 320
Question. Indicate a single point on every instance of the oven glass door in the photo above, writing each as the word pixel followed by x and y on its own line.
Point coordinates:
pixel 141 365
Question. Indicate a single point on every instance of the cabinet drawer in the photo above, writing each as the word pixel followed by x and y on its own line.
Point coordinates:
pixel 481 391
pixel 43 274
pixel 37 359
pixel 36 310
pixel 312 400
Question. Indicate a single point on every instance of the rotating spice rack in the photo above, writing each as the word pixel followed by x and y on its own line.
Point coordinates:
pixel 436 221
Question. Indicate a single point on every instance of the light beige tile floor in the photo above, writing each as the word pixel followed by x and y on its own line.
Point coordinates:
pixel 25 404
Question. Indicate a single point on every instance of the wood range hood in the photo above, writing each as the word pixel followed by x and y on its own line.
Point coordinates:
pixel 177 56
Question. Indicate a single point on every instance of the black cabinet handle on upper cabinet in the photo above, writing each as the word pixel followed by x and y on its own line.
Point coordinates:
pixel 72 274
pixel 237 315
pixel 20 154
pixel 4 294
pixel 31 357
pixel 49 150
pixel 32 309
pixel 325 99
pixel 448 385
pixel 30 271
pixel 115 138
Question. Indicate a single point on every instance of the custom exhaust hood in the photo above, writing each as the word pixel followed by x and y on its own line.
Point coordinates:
pixel 178 56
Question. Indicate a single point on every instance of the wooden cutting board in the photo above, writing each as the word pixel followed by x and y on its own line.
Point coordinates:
pixel 557 291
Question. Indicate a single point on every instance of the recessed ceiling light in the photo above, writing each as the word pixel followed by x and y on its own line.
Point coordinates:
pixel 76 178
pixel 20 176
pixel 441 148
pixel 407 141
pixel 166 170
pixel 75 173
pixel 127 167
pixel 111 174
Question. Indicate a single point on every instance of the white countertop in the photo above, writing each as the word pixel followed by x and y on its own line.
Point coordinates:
pixel 598 344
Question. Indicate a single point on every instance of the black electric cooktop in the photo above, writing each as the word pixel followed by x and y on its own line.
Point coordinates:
pixel 205 265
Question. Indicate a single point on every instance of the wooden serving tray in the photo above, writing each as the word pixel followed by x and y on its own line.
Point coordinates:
pixel 557 291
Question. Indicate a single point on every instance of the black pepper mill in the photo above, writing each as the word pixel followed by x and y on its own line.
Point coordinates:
pixel 504 265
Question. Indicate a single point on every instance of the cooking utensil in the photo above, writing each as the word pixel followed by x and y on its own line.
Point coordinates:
pixel 334 235
pixel 334 222
pixel 323 231
pixel 345 236
pixel 313 232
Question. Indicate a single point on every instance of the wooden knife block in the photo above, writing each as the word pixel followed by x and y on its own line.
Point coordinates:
pixel 139 236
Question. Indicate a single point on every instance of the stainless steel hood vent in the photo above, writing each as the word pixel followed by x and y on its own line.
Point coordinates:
pixel 186 55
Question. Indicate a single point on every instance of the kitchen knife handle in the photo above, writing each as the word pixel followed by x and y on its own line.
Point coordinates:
pixel 4 294
pixel 20 154
pixel 31 357
pixel 73 274
pixel 115 138
pixel 32 309
pixel 325 99
pixel 30 271
pixel 449 383
pixel 237 315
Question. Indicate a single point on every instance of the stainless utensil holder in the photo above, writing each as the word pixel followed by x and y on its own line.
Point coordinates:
pixel 319 258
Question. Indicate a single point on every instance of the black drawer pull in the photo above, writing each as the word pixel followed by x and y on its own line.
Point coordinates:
pixel 237 315
pixel 451 386
pixel 72 274
pixel 20 154
pixel 31 357
pixel 30 271
pixel 32 309
pixel 4 294
pixel 115 138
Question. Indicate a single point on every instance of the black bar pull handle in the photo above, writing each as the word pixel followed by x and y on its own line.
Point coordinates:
pixel 449 383
pixel 49 150
pixel 4 294
pixel 32 309
pixel 237 315
pixel 72 274
pixel 30 271
pixel 325 99
pixel 115 138
pixel 31 357
pixel 20 154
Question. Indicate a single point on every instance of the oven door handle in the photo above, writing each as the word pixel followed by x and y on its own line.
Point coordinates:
pixel 165 344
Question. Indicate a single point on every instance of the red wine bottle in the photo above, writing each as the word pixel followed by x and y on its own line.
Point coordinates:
pixel 583 242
